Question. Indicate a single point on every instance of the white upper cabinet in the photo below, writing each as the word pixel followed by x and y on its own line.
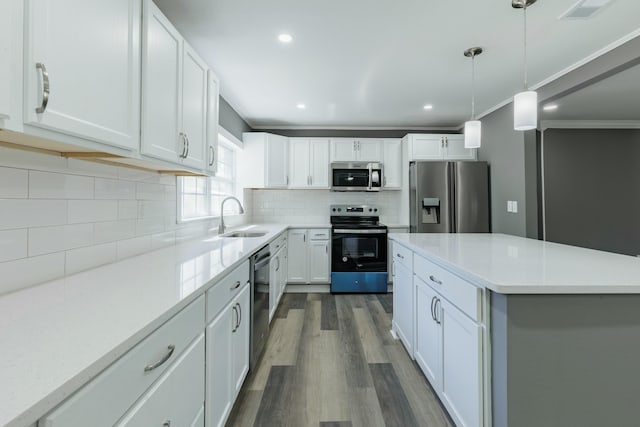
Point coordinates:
pixel 194 107
pixel 174 94
pixel 213 110
pixel 438 147
pixel 82 69
pixel 309 163
pixel 11 42
pixel 264 162
pixel 356 150
pixel 392 164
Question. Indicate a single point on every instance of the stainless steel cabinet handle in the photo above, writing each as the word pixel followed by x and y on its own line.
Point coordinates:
pixel 236 285
pixel 433 312
pixel 166 423
pixel 399 256
pixel 304 237
pixel 287 179
pixel 434 280
pixel 310 180
pixel 235 318
pixel 45 88
pixel 326 248
pixel 184 145
pixel 187 139
pixel 438 303
pixel 278 263
pixel 166 357
pixel 238 308
pixel 213 155
pixel 384 181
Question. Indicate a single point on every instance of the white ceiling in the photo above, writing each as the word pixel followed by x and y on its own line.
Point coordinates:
pixel 615 98
pixel 363 63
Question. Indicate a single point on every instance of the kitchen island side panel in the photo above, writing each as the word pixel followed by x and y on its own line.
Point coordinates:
pixel 565 360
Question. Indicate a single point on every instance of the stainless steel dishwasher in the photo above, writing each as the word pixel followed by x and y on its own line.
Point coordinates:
pixel 259 303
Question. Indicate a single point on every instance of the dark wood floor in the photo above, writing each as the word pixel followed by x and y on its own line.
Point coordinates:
pixel 330 361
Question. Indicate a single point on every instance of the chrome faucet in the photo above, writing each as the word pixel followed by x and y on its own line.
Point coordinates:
pixel 221 227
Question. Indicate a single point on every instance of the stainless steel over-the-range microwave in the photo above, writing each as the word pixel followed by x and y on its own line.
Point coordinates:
pixel 356 176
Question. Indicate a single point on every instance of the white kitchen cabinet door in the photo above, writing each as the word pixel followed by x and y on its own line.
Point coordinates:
pixel 277 158
pixel 161 86
pixel 428 345
pixel 194 107
pixel 461 365
pixel 177 397
pixel 300 154
pixel 274 283
pixel 11 75
pixel 343 150
pixel 369 150
pixel 213 111
pixel 319 163
pixel 455 149
pixel 403 305
pixel 240 341
pixel 284 269
pixel 297 250
pixel 318 261
pixel 426 147
pixel 392 164
pixel 89 53
pixel 218 368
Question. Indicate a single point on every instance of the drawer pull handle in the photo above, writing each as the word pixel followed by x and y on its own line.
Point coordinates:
pixel 434 280
pixel 399 256
pixel 166 423
pixel 45 88
pixel 160 362
pixel 437 311
pixel 236 286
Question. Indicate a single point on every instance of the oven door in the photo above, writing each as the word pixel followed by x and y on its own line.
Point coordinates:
pixel 358 250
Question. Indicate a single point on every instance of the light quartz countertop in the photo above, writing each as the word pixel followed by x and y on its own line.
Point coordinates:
pixel 515 265
pixel 57 336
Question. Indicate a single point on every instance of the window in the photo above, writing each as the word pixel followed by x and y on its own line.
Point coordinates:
pixel 200 197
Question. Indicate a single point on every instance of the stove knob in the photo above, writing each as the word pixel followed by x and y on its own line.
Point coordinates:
pixel 334 209
pixel 376 209
pixel 370 209
pixel 339 209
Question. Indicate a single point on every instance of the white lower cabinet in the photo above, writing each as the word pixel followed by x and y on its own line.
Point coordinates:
pixel 227 337
pixel 277 278
pixel 166 403
pixel 448 334
pixel 308 256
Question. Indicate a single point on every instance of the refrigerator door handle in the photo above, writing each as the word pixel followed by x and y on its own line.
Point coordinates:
pixel 451 185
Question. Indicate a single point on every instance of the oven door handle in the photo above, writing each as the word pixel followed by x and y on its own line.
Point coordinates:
pixel 350 231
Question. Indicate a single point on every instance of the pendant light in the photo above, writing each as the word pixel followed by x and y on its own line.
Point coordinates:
pixel 525 103
pixel 472 128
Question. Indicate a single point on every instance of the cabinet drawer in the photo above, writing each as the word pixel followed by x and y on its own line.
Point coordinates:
pixel 227 288
pixel 277 243
pixel 319 234
pixel 126 380
pixel 403 255
pixel 177 398
pixel 458 291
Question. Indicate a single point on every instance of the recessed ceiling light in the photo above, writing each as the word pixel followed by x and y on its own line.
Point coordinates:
pixel 285 38
pixel 301 106
pixel 428 107
pixel 550 107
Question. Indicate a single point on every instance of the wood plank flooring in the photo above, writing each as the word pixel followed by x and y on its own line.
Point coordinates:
pixel 330 361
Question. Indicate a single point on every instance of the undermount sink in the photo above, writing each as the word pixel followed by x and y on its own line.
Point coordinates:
pixel 245 234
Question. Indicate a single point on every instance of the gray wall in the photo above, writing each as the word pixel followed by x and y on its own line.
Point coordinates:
pixel 503 148
pixel 231 120
pixel 592 182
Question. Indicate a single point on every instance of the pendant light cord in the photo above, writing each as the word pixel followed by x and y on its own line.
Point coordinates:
pixel 525 48
pixel 473 87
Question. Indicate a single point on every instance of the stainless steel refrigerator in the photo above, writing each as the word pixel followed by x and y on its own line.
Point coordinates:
pixel 449 197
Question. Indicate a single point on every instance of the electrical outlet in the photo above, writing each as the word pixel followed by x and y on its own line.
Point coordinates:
pixel 514 206
pixel 509 206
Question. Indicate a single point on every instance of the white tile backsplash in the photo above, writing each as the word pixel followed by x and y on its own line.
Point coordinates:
pixel 14 183
pixel 45 185
pixel 92 211
pixel 312 206
pixel 13 244
pixel 60 216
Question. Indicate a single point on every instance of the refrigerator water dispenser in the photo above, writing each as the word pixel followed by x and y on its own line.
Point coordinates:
pixel 431 211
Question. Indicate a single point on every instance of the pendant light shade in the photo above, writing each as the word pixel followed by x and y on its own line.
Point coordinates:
pixel 473 127
pixel 525 110
pixel 525 103
pixel 472 133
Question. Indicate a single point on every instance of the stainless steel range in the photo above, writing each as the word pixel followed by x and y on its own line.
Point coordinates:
pixel 358 250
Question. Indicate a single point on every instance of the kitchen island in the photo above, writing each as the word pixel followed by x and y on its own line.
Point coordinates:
pixel 520 332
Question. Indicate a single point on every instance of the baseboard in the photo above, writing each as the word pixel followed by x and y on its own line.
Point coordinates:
pixel 308 289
